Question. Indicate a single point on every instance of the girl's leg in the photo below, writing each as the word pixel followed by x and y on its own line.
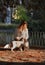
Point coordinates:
pixel 26 45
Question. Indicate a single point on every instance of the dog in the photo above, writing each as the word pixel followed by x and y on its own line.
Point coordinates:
pixel 15 44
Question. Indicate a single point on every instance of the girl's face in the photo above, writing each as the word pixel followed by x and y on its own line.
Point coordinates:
pixel 24 26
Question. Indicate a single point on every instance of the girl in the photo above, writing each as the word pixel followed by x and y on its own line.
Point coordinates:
pixel 25 34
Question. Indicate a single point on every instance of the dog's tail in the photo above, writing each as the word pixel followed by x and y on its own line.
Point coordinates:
pixel 7 46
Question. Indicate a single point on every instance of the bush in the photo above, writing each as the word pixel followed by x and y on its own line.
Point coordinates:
pixel 8 26
pixel 20 13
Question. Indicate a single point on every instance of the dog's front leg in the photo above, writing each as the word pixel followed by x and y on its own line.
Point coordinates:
pixel 14 45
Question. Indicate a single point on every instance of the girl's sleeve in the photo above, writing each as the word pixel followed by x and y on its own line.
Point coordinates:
pixel 27 35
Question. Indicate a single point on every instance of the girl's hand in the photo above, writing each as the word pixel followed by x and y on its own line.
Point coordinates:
pixel 17 38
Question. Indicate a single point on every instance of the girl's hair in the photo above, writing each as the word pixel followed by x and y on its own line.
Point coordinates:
pixel 19 26
pixel 23 23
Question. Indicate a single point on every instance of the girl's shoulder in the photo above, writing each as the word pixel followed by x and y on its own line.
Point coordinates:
pixel 26 29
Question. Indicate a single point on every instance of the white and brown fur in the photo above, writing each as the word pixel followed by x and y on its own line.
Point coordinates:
pixel 10 45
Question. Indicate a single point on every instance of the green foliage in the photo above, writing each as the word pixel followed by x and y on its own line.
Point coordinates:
pixel 36 25
pixel 8 26
pixel 20 13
